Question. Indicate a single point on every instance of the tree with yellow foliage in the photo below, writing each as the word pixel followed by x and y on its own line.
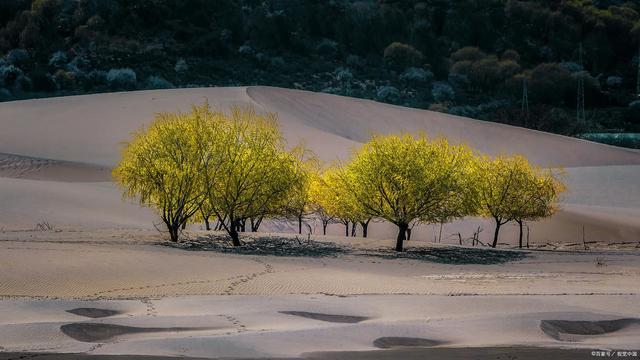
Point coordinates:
pixel 537 197
pixel 297 204
pixel 402 178
pixel 256 172
pixel 330 198
pixel 161 166
pixel 510 189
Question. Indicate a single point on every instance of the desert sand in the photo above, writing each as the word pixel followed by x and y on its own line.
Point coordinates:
pixel 83 271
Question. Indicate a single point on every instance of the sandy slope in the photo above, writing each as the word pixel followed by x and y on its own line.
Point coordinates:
pixel 55 160
pixel 76 139
pixel 242 297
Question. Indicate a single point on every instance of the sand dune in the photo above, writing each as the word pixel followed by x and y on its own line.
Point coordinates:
pixel 82 271
pixel 58 152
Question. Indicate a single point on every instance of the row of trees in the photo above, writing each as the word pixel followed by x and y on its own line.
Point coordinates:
pixel 234 167
pixel 407 180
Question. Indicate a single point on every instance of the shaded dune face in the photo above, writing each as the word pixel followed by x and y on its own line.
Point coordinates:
pixel 93 312
pixel 563 329
pixel 347 319
pixel 32 168
pixel 91 332
pixel 391 342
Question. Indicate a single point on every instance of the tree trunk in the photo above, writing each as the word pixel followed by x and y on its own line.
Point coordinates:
pixel 346 229
pixel 174 231
pixel 243 225
pixel 365 228
pixel 354 226
pixel 233 232
pixel 408 233
pixel 324 227
pixel 184 225
pixel 255 224
pixel 440 234
pixel 520 237
pixel 403 229
pixel 300 224
pixel 496 233
pixel 207 225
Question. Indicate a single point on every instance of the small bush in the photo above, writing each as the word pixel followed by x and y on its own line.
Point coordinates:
pixel 343 74
pixel 158 82
pixel 18 57
pixel 65 80
pixel 442 92
pixel 614 81
pixel 9 74
pixel 510 55
pixel 246 50
pixel 416 75
pixel 389 94
pixel 58 59
pixel 122 79
pixel 468 53
pixel 181 66
pixel 571 66
pixel 402 56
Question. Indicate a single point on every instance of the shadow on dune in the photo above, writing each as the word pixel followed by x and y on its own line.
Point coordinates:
pixel 95 332
pixel 453 255
pixel 347 319
pixel 93 312
pixel 563 329
pixel 391 342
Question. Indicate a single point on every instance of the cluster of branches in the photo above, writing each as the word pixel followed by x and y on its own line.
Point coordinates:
pixel 233 167
pixel 205 164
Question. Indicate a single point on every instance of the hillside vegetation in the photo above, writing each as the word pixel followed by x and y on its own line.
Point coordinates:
pixel 466 57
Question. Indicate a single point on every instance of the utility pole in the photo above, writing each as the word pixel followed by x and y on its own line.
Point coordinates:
pixel 525 96
pixel 580 113
pixel 638 76
pixel 525 101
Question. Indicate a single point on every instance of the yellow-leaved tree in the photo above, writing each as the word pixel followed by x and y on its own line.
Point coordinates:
pixel 509 188
pixel 162 166
pixel 297 204
pixel 404 178
pixel 537 197
pixel 255 173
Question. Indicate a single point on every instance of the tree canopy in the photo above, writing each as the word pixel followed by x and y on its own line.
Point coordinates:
pixel 401 178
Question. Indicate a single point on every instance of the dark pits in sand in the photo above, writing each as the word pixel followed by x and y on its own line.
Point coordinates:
pixel 95 332
pixel 93 312
pixel 347 319
pixel 559 329
pixel 402 342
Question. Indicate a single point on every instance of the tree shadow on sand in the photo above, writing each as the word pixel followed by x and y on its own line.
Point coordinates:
pixel 453 255
pixel 301 247
pixel 265 245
